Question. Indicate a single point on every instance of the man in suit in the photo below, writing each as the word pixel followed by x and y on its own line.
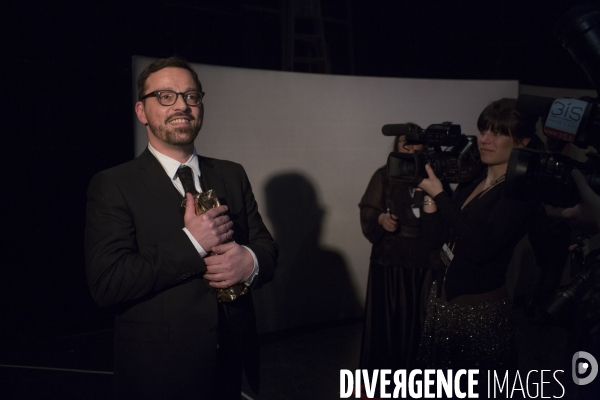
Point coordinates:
pixel 150 261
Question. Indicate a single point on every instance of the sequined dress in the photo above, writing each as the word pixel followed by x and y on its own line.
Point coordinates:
pixel 469 321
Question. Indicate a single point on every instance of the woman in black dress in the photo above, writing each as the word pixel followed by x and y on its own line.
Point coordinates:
pixel 399 279
pixel 469 320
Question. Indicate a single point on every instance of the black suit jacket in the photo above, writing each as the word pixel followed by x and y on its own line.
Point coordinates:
pixel 139 261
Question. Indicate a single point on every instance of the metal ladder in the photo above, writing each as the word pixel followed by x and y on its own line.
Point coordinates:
pixel 304 44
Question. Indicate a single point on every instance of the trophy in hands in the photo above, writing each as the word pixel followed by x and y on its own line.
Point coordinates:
pixel 203 202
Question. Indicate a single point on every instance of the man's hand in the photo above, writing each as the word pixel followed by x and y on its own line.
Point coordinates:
pixel 209 229
pixel 388 221
pixel 231 264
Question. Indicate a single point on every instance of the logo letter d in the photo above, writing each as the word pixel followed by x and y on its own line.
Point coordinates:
pixel 591 363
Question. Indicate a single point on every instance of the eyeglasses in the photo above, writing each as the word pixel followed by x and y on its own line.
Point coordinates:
pixel 169 97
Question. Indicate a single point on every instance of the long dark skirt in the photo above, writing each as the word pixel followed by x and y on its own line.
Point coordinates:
pixel 394 316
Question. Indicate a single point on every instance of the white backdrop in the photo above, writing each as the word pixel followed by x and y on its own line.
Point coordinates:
pixel 327 128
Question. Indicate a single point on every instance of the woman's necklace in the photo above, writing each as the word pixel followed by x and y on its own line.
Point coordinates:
pixel 498 180
pixel 476 194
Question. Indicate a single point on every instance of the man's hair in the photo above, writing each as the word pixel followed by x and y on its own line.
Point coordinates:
pixel 171 62
pixel 502 117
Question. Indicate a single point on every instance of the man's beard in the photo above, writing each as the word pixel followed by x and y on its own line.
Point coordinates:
pixel 180 136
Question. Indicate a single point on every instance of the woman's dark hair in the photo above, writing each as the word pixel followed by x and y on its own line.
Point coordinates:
pixel 502 117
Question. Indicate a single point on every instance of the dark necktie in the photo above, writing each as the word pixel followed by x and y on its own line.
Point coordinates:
pixel 184 173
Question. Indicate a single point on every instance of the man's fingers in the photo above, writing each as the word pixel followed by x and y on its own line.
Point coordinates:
pixel 212 261
pixel 217 277
pixel 224 231
pixel 224 220
pixel 224 284
pixel 222 248
pixel 221 224
pixel 215 212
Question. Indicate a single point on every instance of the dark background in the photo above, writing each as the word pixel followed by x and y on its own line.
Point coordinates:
pixel 68 111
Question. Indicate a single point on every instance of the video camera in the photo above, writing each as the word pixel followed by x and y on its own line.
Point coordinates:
pixel 571 120
pixel 547 177
pixel 459 162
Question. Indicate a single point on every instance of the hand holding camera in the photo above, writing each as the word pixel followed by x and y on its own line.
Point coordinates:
pixel 586 214
pixel 432 185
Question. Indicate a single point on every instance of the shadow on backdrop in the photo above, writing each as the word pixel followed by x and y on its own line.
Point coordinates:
pixel 312 284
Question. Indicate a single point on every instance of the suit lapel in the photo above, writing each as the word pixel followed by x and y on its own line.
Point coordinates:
pixel 154 177
pixel 212 179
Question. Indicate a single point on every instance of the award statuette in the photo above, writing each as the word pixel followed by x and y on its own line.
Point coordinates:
pixel 203 202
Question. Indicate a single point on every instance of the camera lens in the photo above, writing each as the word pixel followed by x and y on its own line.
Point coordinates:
pixel 532 175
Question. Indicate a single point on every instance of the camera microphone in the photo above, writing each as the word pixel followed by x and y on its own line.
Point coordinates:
pixel 570 120
pixel 400 129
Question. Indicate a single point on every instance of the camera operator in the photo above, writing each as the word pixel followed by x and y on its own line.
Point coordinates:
pixel 585 319
pixel 399 278
pixel 469 321
pixel 550 239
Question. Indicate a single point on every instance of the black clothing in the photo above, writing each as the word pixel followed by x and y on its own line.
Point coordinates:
pixel 469 322
pixel 483 234
pixel 550 240
pixel 391 248
pixel 399 278
pixel 140 261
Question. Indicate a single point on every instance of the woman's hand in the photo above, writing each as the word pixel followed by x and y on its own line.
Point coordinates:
pixel 432 185
pixel 388 221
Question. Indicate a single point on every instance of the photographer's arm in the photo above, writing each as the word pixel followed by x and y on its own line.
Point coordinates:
pixel 431 219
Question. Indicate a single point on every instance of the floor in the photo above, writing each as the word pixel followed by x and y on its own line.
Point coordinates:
pixel 303 364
